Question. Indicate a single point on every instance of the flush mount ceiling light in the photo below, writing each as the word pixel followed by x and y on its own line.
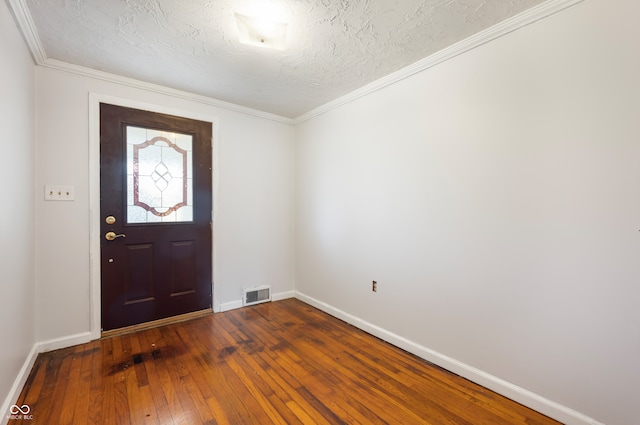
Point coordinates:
pixel 264 25
pixel 260 31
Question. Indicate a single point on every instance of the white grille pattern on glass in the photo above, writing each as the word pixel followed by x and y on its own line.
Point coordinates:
pixel 159 176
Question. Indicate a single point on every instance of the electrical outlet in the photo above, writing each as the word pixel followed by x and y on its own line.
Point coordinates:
pixel 374 286
pixel 59 193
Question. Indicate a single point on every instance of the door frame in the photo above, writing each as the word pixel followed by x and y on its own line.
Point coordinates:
pixel 94 194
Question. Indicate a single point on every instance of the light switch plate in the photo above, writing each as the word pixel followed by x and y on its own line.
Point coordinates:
pixel 59 193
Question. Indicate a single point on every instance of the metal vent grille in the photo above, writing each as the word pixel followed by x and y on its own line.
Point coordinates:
pixel 260 294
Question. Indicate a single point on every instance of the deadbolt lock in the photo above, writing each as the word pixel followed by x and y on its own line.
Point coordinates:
pixel 110 219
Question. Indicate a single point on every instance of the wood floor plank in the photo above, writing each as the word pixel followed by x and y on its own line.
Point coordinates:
pixel 283 362
pixel 292 395
pixel 59 389
pixel 83 398
pixel 68 402
pixel 159 407
pixel 193 406
pixel 32 391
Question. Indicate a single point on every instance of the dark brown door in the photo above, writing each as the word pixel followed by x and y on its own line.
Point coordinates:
pixel 155 204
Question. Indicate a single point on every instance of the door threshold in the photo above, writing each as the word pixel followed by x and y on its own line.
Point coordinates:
pixel 156 323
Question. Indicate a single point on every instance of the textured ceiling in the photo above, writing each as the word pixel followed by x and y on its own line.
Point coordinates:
pixel 333 46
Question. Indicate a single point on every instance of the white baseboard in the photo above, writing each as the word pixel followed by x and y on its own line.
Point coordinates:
pixel 18 384
pixel 507 389
pixel 25 370
pixel 81 338
pixel 64 342
pixel 534 401
pixel 232 305
pixel 283 295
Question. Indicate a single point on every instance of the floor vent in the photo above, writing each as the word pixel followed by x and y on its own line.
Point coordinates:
pixel 257 295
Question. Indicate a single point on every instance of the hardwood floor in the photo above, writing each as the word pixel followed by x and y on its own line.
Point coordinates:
pixel 283 362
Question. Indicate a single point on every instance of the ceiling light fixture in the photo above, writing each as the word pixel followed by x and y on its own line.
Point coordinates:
pixel 264 27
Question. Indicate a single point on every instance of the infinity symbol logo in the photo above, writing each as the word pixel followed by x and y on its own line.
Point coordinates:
pixel 15 409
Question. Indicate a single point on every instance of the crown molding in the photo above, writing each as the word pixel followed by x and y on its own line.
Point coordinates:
pixel 528 17
pixel 503 28
pixel 156 88
pixel 21 14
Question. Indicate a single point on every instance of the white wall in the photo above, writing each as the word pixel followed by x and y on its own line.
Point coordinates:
pixel 17 284
pixel 496 200
pixel 252 226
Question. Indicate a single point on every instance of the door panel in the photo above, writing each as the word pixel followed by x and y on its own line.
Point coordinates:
pixel 139 279
pixel 155 184
pixel 183 269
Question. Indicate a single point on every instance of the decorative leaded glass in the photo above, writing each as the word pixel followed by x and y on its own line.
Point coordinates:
pixel 159 176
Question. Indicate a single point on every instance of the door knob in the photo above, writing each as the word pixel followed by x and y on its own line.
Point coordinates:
pixel 112 236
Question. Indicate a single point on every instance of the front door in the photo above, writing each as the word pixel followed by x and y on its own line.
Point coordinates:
pixel 155 207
